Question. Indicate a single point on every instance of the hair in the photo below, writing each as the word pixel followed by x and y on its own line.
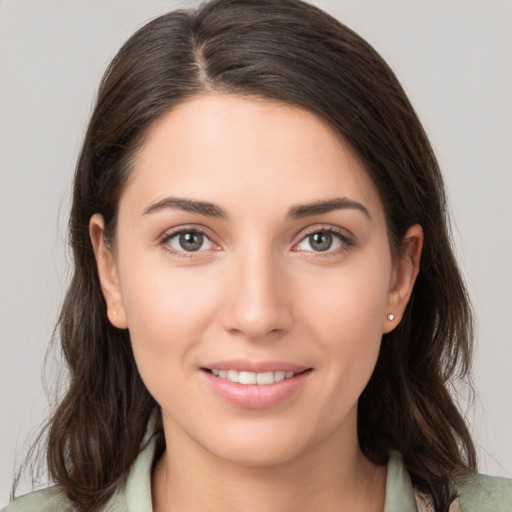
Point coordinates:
pixel 292 52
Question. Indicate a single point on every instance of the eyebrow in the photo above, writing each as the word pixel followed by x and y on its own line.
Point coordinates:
pixel 295 212
pixel 187 205
pixel 321 207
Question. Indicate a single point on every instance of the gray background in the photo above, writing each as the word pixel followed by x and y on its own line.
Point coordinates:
pixel 454 60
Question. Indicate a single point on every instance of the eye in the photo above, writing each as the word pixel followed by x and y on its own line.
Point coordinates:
pixel 322 240
pixel 189 241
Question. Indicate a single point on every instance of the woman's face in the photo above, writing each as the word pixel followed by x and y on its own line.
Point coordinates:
pixel 253 270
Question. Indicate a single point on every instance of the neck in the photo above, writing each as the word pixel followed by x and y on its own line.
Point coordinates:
pixel 188 478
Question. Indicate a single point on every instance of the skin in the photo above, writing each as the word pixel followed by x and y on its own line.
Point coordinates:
pixel 256 290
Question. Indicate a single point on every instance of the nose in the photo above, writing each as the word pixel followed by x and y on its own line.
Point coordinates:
pixel 257 297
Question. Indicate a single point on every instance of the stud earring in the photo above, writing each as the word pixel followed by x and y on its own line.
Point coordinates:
pixel 115 312
pixel 391 317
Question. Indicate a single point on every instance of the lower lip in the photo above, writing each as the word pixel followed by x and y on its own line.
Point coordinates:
pixel 254 396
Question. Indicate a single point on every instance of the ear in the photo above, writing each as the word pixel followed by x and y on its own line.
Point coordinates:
pixel 107 271
pixel 404 276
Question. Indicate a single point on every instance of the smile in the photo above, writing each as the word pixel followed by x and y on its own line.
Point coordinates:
pixel 246 378
pixel 276 384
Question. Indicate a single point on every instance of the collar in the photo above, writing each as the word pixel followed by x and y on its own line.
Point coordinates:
pixel 399 491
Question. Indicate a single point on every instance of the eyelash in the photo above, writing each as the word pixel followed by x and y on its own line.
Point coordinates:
pixel 346 242
pixel 164 242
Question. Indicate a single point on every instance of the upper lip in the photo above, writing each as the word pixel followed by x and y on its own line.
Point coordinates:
pixel 255 366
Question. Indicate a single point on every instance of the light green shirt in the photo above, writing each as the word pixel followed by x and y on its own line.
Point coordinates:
pixel 479 493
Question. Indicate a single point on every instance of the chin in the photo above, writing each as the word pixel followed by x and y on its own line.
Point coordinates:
pixel 259 445
pixel 260 456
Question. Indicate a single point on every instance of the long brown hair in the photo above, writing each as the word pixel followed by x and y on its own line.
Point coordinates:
pixel 292 52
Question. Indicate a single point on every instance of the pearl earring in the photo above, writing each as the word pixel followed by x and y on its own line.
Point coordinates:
pixel 391 317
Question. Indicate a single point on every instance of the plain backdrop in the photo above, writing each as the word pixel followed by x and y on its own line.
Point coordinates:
pixel 454 60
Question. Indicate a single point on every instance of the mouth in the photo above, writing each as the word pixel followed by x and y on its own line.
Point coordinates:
pixel 256 385
pixel 254 378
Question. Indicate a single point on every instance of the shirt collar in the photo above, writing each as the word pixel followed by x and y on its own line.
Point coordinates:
pixel 138 483
pixel 399 491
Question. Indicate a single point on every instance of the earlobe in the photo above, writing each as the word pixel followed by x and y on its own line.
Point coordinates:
pixel 107 272
pixel 406 271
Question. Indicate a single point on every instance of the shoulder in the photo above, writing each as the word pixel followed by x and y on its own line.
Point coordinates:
pixel 54 500
pixel 483 493
pixel 131 493
pixel 46 500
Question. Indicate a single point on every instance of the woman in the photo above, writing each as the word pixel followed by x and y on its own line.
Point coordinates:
pixel 249 326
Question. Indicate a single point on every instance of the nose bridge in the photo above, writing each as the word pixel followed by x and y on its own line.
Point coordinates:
pixel 259 303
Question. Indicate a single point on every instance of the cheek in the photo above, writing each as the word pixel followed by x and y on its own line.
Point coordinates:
pixel 346 316
pixel 350 302
pixel 167 313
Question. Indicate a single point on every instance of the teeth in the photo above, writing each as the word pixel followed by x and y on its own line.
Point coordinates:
pixel 265 378
pixel 279 376
pixel 261 379
pixel 247 377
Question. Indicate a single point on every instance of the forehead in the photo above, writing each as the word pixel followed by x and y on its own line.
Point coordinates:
pixel 224 148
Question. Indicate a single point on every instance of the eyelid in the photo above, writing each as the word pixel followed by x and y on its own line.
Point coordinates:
pixel 315 228
pixel 187 228
pixel 347 238
pixel 183 228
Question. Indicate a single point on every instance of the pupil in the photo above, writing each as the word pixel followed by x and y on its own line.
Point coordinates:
pixel 191 241
pixel 321 241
